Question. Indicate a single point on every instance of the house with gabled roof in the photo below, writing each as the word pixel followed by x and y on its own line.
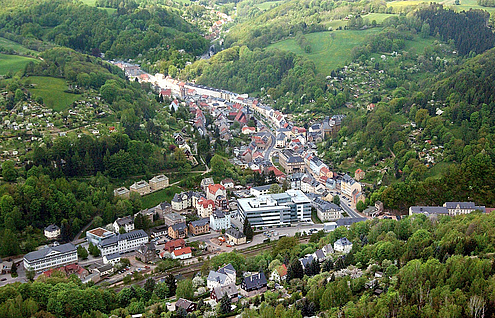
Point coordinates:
pixel 222 277
pixel 254 284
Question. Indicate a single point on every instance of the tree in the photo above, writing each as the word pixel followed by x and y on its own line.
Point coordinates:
pixel 171 284
pixel 161 290
pixel 225 304
pixel 336 199
pixel 247 229
pixel 9 173
pixel 82 252
pixel 149 285
pixel 328 265
pixel 275 188
pixel 94 250
pixel 10 243
pixel 30 273
pixel 185 289
pixel 295 270
pixel 360 206
pixel 13 270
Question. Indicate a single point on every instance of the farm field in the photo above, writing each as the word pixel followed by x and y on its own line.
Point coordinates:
pixel 329 49
pixel 13 63
pixel 464 5
pixel 52 90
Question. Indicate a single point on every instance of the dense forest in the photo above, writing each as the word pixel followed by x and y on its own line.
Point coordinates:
pixel 415 267
pixel 130 32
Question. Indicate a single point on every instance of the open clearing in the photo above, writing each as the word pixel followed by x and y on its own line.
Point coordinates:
pixel 19 48
pixel 329 49
pixel 267 5
pixel 52 90
pixel 13 63
pixel 160 196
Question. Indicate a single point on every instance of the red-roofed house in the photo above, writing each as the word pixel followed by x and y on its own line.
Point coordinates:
pixel 370 107
pixel 173 245
pixel 205 207
pixel 241 117
pixel 166 93
pixel 278 174
pixel 359 175
pixel 325 172
pixel 215 190
pixel 248 130
pixel 279 274
pixel 182 253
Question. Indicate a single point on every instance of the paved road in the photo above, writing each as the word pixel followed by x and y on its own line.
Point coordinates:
pixel 344 203
pixel 269 150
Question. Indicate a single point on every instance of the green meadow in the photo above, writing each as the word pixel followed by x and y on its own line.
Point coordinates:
pixel 52 90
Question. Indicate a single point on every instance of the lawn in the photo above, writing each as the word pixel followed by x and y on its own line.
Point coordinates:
pixel 378 17
pixel 267 5
pixel 13 63
pixel 437 170
pixel 464 4
pixel 158 197
pixel 19 48
pixel 330 49
pixel 52 90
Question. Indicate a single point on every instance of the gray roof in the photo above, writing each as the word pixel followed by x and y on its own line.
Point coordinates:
pixel 343 241
pixel 52 228
pixel 230 290
pixel 132 235
pixel 179 226
pixel 217 277
pixel 263 187
pixel 201 222
pixel 105 268
pixel 349 221
pixel 429 210
pixel 255 281
pixel 227 269
pixel 112 256
pixel 320 255
pixel 144 248
pixel 125 220
pixel 42 253
pixel 218 214
pixel 235 233
pixel 305 261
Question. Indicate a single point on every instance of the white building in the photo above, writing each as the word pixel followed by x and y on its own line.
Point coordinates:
pixel 349 185
pixel 123 243
pixel 182 253
pixel 276 209
pixel 52 232
pixel 126 222
pixel 49 257
pixel 261 190
pixel 222 277
pixel 111 259
pixel 342 245
pixel 219 221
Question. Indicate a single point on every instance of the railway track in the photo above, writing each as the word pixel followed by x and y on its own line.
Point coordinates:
pixel 189 270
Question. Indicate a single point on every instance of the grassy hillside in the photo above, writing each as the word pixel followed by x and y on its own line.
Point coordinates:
pixel 13 63
pixel 329 50
pixel 7 44
pixel 52 90
pixel 267 5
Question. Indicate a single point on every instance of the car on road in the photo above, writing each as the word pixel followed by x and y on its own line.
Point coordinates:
pixel 349 204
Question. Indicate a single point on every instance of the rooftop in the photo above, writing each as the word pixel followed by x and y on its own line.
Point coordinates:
pixel 44 252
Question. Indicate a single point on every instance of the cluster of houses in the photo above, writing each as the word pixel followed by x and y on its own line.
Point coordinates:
pixel 142 187
pixel 32 121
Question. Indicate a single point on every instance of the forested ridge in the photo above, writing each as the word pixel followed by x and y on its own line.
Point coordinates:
pixel 130 32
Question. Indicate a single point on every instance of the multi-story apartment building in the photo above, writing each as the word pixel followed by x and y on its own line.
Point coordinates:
pixel 291 162
pixel 348 185
pixel 159 182
pixel 141 187
pixel 49 257
pixel 123 243
pixel 127 223
pixel 219 221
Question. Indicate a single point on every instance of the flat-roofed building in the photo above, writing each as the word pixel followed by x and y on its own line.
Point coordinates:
pixel 174 218
pixel 159 182
pixel 141 187
pixel 276 209
pixel 122 192
pixel 49 257
pixel 95 236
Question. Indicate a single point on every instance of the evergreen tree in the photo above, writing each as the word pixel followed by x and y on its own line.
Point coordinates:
pixel 225 304
pixel 82 252
pixel 172 286
pixel 295 270
pixel 247 229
